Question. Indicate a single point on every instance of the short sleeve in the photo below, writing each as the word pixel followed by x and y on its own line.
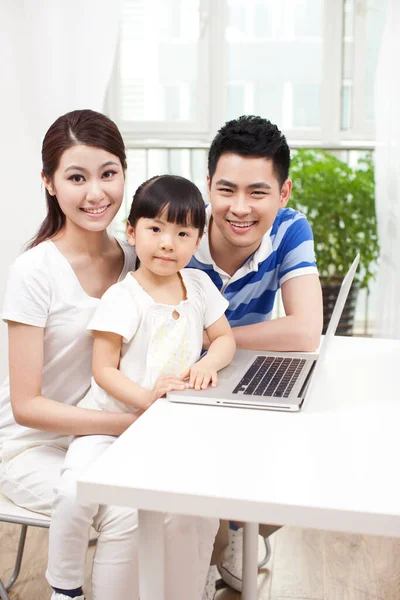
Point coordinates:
pixel 215 304
pixel 27 298
pixel 117 312
pixel 296 251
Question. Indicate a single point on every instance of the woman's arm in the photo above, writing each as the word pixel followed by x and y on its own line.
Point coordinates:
pixel 32 409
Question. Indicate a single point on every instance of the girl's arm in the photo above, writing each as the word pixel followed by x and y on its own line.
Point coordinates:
pixel 222 343
pixel 106 357
pixel 32 409
pixel 220 354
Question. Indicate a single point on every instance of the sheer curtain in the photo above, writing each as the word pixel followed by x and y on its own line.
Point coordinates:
pixel 56 56
pixel 387 174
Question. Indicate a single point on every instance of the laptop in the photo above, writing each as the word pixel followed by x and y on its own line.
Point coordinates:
pixel 270 380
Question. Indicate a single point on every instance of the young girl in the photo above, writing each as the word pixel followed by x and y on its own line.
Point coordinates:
pixel 52 293
pixel 148 333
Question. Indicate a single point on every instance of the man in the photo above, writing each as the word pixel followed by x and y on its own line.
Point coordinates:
pixel 253 246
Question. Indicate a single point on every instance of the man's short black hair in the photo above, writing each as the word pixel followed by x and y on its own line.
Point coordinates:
pixel 251 136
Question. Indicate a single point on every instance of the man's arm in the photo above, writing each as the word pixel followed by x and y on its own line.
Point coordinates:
pixel 299 330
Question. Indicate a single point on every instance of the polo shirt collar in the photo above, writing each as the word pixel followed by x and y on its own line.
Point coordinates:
pixel 203 253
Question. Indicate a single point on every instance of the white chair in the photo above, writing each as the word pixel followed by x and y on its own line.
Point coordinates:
pixel 11 513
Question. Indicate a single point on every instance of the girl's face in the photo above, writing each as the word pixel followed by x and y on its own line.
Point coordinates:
pixel 162 247
pixel 89 185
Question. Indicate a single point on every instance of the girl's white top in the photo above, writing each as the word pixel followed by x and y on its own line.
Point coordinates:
pixel 154 343
pixel 43 290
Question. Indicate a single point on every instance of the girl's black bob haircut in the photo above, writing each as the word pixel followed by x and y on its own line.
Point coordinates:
pixel 181 198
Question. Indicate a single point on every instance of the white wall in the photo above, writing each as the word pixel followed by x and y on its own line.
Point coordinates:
pixel 56 56
pixel 22 204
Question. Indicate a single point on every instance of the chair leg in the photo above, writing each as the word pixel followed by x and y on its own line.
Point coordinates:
pixel 17 567
pixel 3 592
pixel 267 553
pixel 18 560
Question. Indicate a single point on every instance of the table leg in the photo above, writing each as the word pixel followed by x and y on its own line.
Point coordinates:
pixel 250 561
pixel 151 555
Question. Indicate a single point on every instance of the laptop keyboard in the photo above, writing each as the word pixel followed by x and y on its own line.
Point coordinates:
pixel 270 376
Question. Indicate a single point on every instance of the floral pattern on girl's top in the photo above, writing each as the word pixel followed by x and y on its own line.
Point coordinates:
pixel 170 349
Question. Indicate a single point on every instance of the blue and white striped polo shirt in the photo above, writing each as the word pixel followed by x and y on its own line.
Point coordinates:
pixel 286 251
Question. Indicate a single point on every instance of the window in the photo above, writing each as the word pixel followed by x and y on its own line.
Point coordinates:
pixel 275 50
pixel 159 85
pixel 186 66
pixel 363 29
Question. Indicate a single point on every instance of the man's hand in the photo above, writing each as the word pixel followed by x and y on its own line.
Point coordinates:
pixel 201 374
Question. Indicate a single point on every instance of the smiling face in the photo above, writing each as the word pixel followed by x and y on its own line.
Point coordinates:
pixel 245 196
pixel 163 248
pixel 89 186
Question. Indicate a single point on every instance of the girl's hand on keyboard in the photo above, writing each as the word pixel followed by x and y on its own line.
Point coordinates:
pixel 201 374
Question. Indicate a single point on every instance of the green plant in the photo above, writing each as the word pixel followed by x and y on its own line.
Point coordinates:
pixel 339 202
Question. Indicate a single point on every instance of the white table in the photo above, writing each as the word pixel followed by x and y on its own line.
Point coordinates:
pixel 333 466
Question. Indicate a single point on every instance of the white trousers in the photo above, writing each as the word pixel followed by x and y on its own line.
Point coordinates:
pixel 32 479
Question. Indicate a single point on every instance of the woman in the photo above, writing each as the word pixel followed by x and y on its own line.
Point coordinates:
pixel 52 292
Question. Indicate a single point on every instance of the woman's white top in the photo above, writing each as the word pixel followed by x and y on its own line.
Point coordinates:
pixel 154 343
pixel 43 291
